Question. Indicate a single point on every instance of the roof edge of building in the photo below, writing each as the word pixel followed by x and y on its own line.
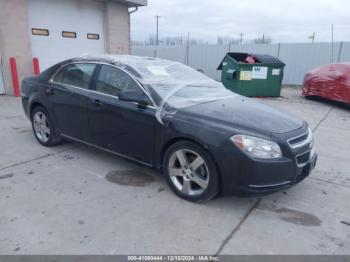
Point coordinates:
pixel 132 3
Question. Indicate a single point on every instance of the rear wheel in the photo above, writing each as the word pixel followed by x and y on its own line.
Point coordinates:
pixel 43 127
pixel 191 172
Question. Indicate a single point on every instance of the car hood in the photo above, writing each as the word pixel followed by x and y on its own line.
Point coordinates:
pixel 241 112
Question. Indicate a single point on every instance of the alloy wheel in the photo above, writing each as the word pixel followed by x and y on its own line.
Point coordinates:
pixel 188 172
pixel 41 127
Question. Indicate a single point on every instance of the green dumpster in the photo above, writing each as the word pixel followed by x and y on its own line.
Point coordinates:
pixel 252 74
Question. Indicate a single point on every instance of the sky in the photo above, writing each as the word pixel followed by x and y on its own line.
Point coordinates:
pixel 285 21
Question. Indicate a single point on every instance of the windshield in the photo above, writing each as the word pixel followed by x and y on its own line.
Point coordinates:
pixel 175 86
pixel 178 85
pixel 185 95
pixel 172 85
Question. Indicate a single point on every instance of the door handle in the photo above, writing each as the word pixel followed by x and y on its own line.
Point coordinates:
pixel 97 103
pixel 50 91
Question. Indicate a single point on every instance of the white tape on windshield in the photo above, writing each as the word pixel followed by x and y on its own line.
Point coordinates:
pixel 158 71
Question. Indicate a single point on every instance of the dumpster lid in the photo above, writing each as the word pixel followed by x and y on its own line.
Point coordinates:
pixel 259 59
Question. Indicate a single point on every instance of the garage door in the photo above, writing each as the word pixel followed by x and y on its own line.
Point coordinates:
pixel 65 29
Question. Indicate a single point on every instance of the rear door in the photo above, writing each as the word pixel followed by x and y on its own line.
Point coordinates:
pixel 123 127
pixel 69 99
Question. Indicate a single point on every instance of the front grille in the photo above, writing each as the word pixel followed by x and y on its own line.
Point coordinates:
pixel 303 158
pixel 302 147
pixel 298 140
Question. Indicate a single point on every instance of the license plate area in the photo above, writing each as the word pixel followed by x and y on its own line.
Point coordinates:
pixel 306 170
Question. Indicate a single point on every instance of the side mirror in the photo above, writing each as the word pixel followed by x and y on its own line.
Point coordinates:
pixel 134 96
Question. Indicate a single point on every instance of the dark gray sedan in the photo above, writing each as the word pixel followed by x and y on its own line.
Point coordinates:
pixel 203 138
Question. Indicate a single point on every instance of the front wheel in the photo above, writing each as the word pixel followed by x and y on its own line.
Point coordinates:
pixel 191 172
pixel 43 127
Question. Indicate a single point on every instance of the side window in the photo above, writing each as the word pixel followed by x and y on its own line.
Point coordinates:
pixel 78 75
pixel 112 81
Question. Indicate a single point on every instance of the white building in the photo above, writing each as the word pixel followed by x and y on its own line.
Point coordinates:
pixel 52 31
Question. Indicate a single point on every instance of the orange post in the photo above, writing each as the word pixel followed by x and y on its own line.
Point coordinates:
pixel 36 66
pixel 14 74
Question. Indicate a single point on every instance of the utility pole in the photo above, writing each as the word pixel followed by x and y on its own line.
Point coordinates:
pixel 241 37
pixel 157 34
pixel 332 43
pixel 187 58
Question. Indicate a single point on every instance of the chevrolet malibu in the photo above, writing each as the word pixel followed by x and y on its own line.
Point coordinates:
pixel 203 138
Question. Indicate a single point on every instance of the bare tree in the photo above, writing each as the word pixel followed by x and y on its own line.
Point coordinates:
pixel 262 40
pixel 227 40
pixel 169 41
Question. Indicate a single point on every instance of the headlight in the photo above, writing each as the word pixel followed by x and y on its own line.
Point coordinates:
pixel 257 147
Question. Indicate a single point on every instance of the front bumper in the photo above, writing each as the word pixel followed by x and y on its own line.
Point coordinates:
pixel 263 189
pixel 25 105
pixel 244 176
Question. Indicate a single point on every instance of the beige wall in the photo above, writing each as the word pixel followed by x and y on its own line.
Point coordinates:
pixel 14 40
pixel 117 28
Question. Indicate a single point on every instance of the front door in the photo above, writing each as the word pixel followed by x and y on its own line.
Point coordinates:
pixel 68 96
pixel 119 126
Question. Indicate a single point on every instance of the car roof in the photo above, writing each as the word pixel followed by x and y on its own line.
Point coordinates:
pixel 123 60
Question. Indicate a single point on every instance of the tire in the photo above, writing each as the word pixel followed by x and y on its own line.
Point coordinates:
pixel 43 127
pixel 191 172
